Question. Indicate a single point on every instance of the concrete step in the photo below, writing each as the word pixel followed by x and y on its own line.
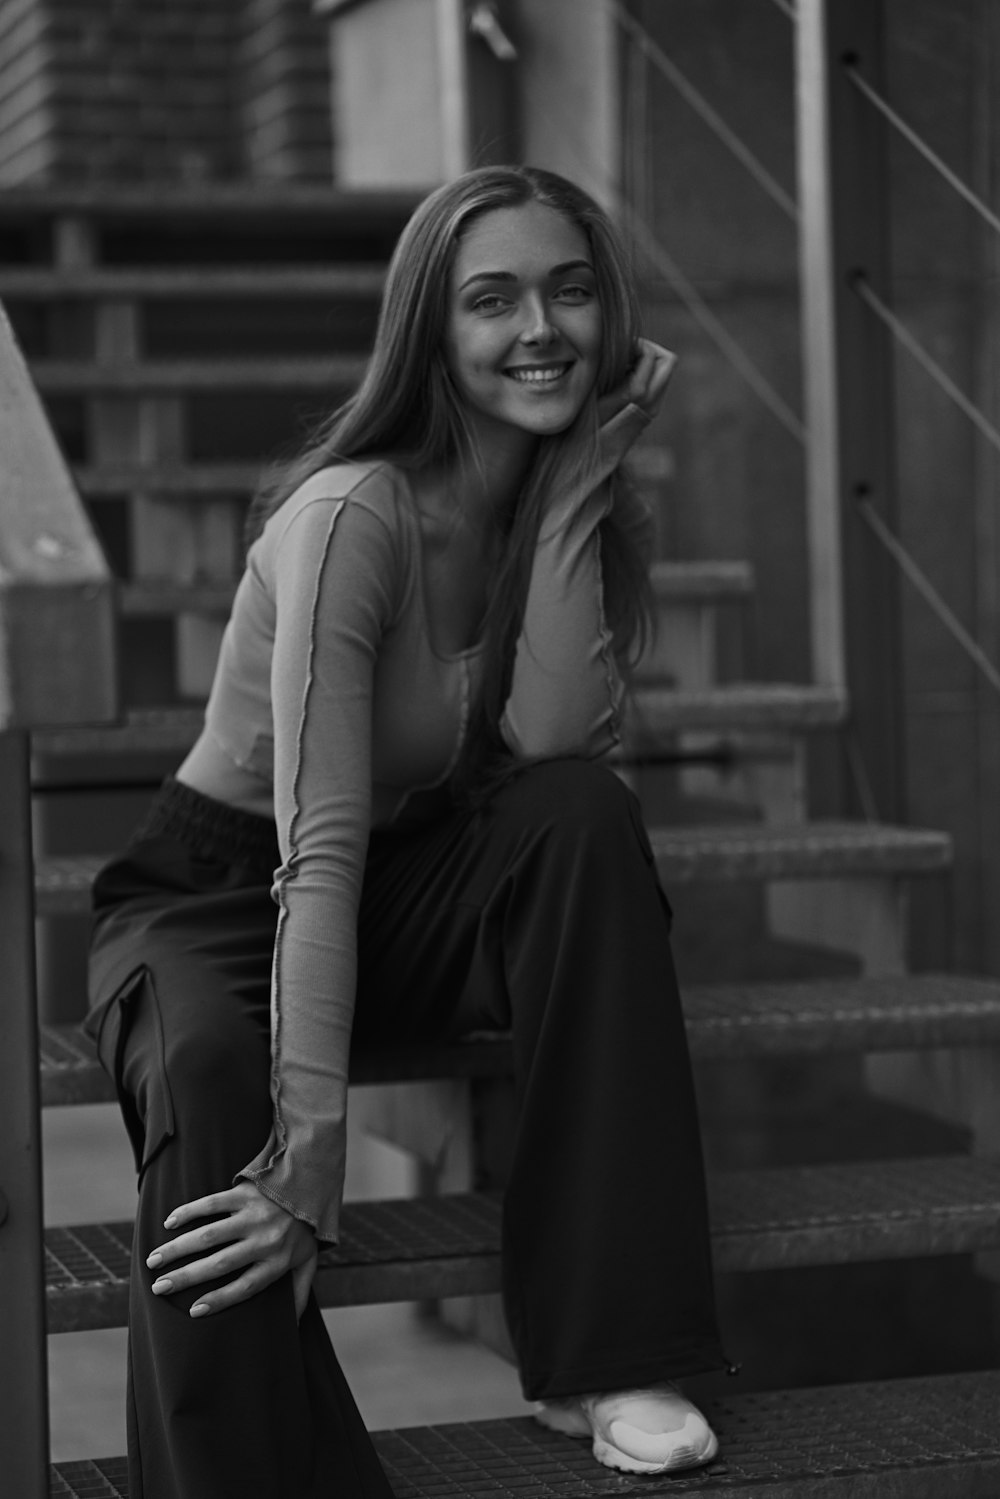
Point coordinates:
pixel 723 1022
pixel 319 374
pixel 931 1438
pixel 433 1247
pixel 684 856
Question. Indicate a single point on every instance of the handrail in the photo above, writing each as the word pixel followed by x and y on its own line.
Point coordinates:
pixel 56 591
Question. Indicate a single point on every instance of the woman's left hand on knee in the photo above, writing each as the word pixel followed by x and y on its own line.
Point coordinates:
pixel 253 1235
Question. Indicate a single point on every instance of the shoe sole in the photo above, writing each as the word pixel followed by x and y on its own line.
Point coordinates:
pixel 574 1423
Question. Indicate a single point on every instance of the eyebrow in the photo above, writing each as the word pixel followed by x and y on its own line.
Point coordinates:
pixel 557 270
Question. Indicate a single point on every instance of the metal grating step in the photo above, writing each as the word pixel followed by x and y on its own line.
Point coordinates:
pixel 707 581
pixel 794 851
pixel 749 851
pixel 427 1248
pixel 734 1020
pixel 761 707
pixel 930 1438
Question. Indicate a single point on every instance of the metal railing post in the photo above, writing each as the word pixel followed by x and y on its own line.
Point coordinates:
pixel 847 364
pixel 24 1434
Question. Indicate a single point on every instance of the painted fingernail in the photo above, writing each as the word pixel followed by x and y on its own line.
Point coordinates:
pixel 169 1222
pixel 154 1260
pixel 162 1285
pixel 200 1309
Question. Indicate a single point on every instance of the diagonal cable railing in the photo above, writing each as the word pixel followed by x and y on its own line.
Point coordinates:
pixel 687 294
pixel 786 7
pixel 912 570
pixel 920 145
pixel 913 346
pixel 640 37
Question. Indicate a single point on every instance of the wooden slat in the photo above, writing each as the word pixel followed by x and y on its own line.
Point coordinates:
pixel 766 706
pixel 68 377
pixel 701 580
pixel 205 283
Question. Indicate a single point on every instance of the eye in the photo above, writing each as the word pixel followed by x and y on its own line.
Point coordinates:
pixel 575 292
pixel 489 301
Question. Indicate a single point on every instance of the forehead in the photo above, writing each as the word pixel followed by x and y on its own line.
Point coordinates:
pixel 525 240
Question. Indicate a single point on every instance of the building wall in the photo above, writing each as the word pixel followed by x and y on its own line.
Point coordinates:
pixel 131 90
pixel 738 487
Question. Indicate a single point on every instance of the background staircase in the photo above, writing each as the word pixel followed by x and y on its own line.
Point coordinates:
pixel 179 341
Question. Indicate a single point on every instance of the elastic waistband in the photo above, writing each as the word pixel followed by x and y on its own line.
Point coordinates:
pixel 211 829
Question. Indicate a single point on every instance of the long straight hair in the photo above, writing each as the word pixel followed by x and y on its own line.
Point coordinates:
pixel 407 410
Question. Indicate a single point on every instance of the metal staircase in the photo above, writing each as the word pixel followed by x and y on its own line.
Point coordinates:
pixel 176 342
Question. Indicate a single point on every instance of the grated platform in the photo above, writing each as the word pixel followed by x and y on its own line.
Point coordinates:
pixel 749 851
pixel 723 1021
pixel 427 1248
pixel 936 1438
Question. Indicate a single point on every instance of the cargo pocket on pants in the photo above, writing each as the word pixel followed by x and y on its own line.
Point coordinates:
pixel 130 1022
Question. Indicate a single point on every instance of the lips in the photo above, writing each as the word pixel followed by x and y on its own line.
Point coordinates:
pixel 538 374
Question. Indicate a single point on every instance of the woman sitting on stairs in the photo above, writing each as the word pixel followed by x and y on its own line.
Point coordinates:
pixel 393 828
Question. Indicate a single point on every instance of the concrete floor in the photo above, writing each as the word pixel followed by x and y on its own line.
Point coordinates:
pixel 404 1370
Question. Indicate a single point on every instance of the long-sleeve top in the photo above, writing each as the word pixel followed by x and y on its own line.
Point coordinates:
pixel 331 708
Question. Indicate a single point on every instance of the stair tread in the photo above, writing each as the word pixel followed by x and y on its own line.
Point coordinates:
pixel 173 202
pixel 817 850
pixel 939 1434
pixel 187 479
pixel 302 372
pixel 750 851
pixel 657 709
pixel 711 578
pixel 731 1020
pixel 201 282
pixel 411 1249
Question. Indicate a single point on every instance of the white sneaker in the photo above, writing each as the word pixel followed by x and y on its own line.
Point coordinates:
pixel 639 1431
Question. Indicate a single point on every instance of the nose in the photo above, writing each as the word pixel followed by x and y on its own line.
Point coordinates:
pixel 538 326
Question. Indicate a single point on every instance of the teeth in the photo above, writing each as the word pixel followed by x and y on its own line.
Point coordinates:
pixel 539 377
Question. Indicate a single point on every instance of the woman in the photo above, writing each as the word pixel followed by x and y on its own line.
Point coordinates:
pixel 421 665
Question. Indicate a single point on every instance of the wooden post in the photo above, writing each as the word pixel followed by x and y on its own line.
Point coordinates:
pixel 24 1435
pixel 843 201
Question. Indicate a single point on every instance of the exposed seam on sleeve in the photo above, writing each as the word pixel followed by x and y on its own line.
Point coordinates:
pixel 291 863
pixel 607 654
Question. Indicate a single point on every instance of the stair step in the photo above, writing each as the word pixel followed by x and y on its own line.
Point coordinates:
pixel 723 1021
pixel 792 851
pixel 187 481
pixel 204 283
pixel 709 580
pixel 770 707
pixel 657 711
pixel 188 205
pixel 751 851
pixel 427 1248
pixel 930 1438
pixel 315 374
pixel 71 1074
pixel 935 1437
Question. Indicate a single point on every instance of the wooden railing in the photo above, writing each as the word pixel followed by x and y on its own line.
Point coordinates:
pixel 56 668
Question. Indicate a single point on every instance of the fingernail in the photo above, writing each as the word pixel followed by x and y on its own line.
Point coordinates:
pixel 162 1285
pixel 169 1222
pixel 200 1309
pixel 154 1260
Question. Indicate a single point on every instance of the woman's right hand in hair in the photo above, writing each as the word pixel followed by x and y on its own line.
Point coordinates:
pixel 645 383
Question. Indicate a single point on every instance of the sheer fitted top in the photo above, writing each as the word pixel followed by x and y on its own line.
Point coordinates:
pixel 332 711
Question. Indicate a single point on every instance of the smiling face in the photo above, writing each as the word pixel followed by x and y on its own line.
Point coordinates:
pixel 523 334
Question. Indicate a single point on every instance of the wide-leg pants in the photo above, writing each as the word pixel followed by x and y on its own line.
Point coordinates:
pixel 540 912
